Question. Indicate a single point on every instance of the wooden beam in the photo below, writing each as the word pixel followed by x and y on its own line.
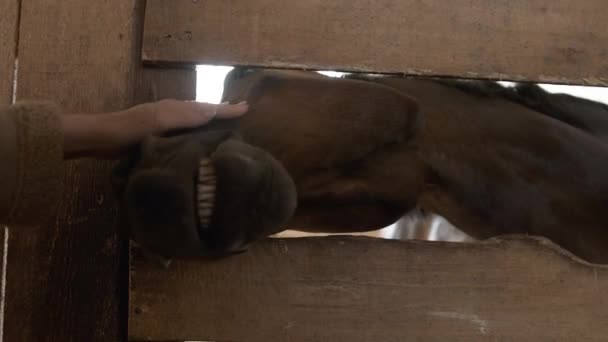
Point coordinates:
pixel 166 83
pixel 4 236
pixel 563 41
pixel 67 281
pixel 8 47
pixel 364 289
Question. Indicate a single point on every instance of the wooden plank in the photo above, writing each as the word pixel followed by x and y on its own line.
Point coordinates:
pixel 8 47
pixel 563 41
pixel 67 281
pixel 166 83
pixel 363 289
pixel 4 236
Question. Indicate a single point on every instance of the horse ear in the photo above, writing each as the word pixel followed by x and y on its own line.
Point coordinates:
pixel 412 108
pixel 250 86
pixel 405 104
pixel 233 76
pixel 265 84
pixel 391 111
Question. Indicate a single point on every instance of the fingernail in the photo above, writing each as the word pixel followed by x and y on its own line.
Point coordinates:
pixel 242 103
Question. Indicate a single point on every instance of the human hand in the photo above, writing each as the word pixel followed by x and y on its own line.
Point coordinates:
pixel 168 115
pixel 109 134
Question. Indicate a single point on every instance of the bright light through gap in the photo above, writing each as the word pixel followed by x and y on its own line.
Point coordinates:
pixel 210 85
pixel 210 82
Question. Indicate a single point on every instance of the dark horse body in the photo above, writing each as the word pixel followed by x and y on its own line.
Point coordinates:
pixel 364 153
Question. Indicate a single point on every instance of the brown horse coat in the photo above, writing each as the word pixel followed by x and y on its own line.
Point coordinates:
pixel 364 153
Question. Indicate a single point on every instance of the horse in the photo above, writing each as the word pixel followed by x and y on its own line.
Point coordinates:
pixel 363 153
pixel 586 115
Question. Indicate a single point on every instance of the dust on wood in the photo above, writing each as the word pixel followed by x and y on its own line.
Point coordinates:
pixel 365 289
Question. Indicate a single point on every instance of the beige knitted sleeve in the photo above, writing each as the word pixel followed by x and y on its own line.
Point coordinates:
pixel 31 163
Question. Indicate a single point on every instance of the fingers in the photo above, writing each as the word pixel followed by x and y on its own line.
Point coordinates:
pixel 221 111
pixel 229 111
pixel 174 114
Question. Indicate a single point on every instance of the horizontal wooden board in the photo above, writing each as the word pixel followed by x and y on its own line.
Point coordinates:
pixel 562 41
pixel 365 289
pixel 8 47
pixel 166 83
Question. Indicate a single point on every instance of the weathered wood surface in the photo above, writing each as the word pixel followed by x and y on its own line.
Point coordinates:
pixel 166 83
pixel 4 236
pixel 68 280
pixel 562 41
pixel 363 289
pixel 9 12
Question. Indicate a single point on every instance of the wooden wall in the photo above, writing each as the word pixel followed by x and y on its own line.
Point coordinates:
pixel 166 83
pixel 67 281
pixel 549 41
pixel 8 47
pixel 364 289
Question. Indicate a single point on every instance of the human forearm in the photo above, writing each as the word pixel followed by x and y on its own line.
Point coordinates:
pixel 86 135
pixel 108 134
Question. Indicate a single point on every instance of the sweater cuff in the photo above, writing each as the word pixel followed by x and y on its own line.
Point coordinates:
pixel 39 162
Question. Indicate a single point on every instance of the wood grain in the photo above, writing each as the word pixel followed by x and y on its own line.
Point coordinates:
pixel 68 280
pixel 364 289
pixel 4 236
pixel 8 47
pixel 564 41
pixel 166 83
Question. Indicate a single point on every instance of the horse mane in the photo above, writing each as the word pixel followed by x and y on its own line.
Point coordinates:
pixel 529 95
pixel 533 96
